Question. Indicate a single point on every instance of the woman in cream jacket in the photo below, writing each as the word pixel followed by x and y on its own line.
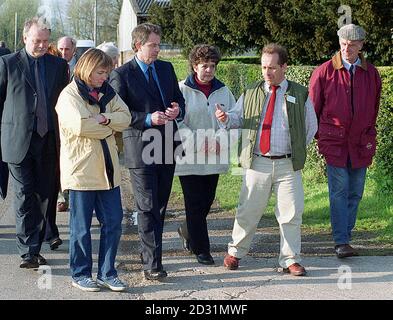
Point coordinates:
pixel 90 112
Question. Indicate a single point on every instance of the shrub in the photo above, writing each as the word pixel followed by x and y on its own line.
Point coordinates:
pixel 383 164
pixel 244 59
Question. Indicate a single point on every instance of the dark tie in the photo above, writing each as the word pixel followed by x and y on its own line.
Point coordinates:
pixel 41 111
pixel 264 143
pixel 152 83
pixel 351 74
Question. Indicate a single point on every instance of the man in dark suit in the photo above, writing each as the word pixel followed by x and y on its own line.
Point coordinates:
pixel 30 83
pixel 150 89
pixel 67 46
pixel 3 49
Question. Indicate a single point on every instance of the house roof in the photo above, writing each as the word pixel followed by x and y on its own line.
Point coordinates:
pixel 141 7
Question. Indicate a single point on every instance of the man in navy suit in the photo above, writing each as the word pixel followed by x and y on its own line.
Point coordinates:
pixel 150 89
pixel 30 83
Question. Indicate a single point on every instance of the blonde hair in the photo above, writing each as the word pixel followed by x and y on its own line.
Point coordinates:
pixel 52 49
pixel 89 61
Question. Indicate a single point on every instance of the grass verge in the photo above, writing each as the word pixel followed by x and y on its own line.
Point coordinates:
pixel 375 215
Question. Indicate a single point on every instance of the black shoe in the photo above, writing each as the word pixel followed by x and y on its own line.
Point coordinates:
pixel 154 275
pixel 29 262
pixel 344 251
pixel 205 258
pixel 55 243
pixel 185 242
pixel 41 260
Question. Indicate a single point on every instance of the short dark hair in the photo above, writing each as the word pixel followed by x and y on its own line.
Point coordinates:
pixel 203 53
pixel 142 32
pixel 272 48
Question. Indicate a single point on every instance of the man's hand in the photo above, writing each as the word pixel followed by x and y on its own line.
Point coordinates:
pixel 158 118
pixel 220 114
pixel 173 111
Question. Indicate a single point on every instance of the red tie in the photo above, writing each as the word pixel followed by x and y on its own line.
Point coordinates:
pixel 264 143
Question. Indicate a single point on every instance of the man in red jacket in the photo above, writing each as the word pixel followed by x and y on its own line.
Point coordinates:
pixel 346 92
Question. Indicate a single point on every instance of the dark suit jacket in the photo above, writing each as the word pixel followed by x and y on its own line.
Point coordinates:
pixel 18 101
pixel 4 51
pixel 132 86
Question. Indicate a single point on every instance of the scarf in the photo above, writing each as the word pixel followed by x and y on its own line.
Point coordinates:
pixel 108 95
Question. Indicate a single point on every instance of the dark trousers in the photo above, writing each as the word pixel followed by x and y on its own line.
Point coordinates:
pixel 152 187
pixel 51 230
pixel 199 193
pixel 36 183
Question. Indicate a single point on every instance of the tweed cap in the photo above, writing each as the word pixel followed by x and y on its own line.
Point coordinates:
pixel 351 32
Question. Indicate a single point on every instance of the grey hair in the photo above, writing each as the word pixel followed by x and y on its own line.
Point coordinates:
pixel 142 32
pixel 40 22
pixel 110 49
pixel 73 41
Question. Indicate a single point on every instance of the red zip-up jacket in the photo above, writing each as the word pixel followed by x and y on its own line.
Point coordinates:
pixel 342 132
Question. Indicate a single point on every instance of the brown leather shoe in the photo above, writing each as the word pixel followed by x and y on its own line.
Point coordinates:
pixel 295 269
pixel 62 206
pixel 231 262
pixel 344 251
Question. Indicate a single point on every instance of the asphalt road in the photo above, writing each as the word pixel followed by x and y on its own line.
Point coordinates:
pixel 328 278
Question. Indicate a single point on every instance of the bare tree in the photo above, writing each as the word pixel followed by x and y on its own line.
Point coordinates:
pixel 25 9
pixel 80 14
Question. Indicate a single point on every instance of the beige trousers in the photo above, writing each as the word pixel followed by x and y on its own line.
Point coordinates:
pixel 264 177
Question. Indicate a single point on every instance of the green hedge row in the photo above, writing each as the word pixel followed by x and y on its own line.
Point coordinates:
pixel 244 59
pixel 383 164
pixel 237 76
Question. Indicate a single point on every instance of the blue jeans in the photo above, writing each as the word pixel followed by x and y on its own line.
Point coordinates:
pixel 108 209
pixel 346 186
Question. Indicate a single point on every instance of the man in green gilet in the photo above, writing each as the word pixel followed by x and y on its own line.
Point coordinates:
pixel 278 121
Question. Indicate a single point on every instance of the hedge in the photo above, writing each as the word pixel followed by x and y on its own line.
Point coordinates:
pixel 383 164
pixel 237 76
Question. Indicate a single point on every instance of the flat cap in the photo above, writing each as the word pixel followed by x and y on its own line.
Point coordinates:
pixel 351 32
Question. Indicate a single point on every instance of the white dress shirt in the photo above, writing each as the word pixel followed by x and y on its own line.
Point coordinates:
pixel 280 141
pixel 347 65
